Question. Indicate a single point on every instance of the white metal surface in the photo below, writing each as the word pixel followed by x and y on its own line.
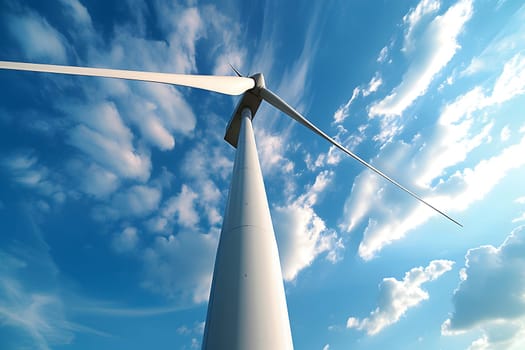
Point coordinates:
pixel 247 307
pixel 223 84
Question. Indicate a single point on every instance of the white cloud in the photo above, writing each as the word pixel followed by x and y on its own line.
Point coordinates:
pixel 383 55
pixel 334 154
pixel 397 297
pixel 436 47
pixel 106 140
pixel 490 294
pixel 126 241
pixel 373 85
pixel 105 119
pixel 509 39
pixel 366 185
pixel 148 116
pixel 455 194
pixel 457 134
pixel 138 200
pixel 121 159
pixel 77 11
pixel 180 266
pixel 100 182
pixel 271 148
pixel 153 131
pixel 472 185
pixel 413 18
pixel 37 38
pixel 227 47
pixel 505 133
pixel 26 170
pixel 519 218
pixel 80 25
pixel 183 206
pixel 511 82
pixel 301 234
pixel 520 200
pixel 343 111
pixel 196 331
pixel 459 131
pixel 175 113
pixel 35 311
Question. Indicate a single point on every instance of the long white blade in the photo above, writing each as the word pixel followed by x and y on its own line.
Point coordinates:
pixel 222 84
pixel 278 103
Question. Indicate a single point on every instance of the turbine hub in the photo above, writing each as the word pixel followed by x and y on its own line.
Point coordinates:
pixel 251 99
pixel 259 81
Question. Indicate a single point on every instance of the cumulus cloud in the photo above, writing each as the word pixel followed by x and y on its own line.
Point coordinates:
pixel 103 137
pixel 138 200
pixel 301 234
pixel 100 183
pixel 490 294
pixel 180 266
pixel 436 47
pixel 126 241
pixel 271 148
pixel 183 207
pixel 397 297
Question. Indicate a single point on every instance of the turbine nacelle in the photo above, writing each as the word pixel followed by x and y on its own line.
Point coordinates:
pixel 252 100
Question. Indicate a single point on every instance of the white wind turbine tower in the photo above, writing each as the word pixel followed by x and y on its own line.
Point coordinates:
pixel 247 306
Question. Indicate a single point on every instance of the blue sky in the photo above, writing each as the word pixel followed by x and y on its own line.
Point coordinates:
pixel 112 193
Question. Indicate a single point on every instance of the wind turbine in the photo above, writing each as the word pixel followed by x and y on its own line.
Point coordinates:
pixel 247 305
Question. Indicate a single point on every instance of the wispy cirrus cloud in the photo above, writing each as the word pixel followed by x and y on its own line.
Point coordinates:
pixel 27 170
pixel 344 110
pixel 37 311
pixel 397 297
pixel 398 217
pixel 463 126
pixel 38 39
pixel 501 48
pixel 414 17
pixel 437 44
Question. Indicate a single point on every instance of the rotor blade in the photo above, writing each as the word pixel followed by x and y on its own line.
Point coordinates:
pixel 278 103
pixel 222 84
pixel 236 71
